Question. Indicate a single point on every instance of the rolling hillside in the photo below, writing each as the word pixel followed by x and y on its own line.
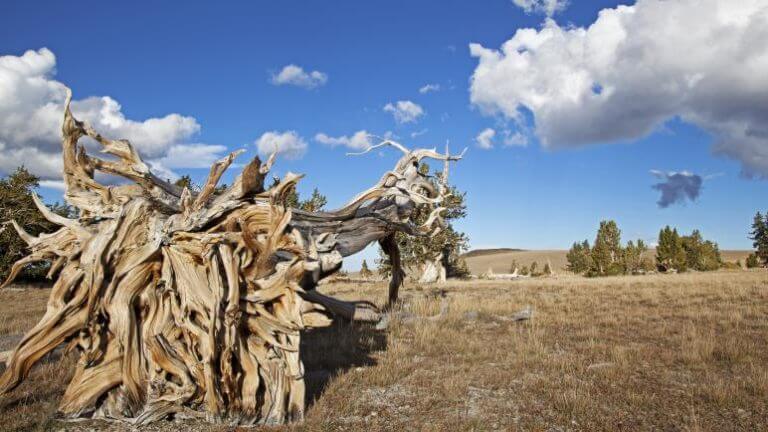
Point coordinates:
pixel 480 260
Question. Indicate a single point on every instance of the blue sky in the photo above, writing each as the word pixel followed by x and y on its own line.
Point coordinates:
pixel 215 63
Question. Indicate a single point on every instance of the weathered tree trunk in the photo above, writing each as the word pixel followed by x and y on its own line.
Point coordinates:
pixel 192 304
pixel 433 270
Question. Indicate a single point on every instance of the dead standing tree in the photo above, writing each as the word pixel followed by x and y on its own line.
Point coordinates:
pixel 191 304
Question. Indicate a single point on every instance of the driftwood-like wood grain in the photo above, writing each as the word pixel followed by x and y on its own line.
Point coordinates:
pixel 192 304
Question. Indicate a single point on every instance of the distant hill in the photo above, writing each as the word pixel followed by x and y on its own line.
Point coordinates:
pixel 483 252
pixel 500 260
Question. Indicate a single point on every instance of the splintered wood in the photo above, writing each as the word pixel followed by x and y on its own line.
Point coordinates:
pixel 191 304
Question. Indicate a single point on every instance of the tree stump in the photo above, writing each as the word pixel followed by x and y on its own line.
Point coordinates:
pixel 192 304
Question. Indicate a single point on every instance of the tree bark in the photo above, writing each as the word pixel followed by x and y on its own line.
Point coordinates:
pixel 389 246
pixel 192 304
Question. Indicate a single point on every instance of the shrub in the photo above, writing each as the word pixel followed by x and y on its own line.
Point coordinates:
pixel 753 261
pixel 579 257
pixel 365 272
pixel 513 266
pixel 700 254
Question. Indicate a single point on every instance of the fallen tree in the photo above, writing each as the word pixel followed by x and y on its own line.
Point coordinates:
pixel 192 304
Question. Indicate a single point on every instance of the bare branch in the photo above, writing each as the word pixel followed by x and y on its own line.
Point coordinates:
pixel 386 142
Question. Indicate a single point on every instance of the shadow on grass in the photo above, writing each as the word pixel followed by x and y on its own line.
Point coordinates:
pixel 331 351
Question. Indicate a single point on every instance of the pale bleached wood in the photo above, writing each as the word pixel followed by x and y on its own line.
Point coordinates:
pixel 192 304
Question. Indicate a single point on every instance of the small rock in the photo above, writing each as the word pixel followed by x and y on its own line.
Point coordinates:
pixel 383 323
pixel 471 315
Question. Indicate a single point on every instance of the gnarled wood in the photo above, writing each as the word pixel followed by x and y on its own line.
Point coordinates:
pixel 193 304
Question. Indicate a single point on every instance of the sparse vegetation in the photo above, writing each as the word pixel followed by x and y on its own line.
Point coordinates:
pixel 700 254
pixel 681 253
pixel 547 269
pixel 598 353
pixel 673 253
pixel 579 257
pixel 753 261
pixel 607 257
pixel 16 203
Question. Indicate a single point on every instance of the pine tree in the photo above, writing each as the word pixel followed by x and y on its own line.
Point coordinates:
pixel 16 203
pixel 759 237
pixel 514 266
pixel 752 261
pixel 670 253
pixel 415 250
pixel 185 181
pixel 633 258
pixel 315 203
pixel 607 252
pixel 460 270
pixel 700 254
pixel 578 257
pixel 547 269
pixel 365 272
pixel 693 245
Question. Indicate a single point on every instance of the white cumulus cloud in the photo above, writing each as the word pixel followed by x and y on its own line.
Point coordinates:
pixel 288 144
pixel 31 112
pixel 515 139
pixel 547 7
pixel 295 75
pixel 404 111
pixel 360 140
pixel 192 155
pixel 633 69
pixel 485 138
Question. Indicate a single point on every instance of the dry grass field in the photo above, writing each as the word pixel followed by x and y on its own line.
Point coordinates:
pixel 500 261
pixel 664 352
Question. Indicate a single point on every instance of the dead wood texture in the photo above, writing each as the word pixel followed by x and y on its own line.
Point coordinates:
pixel 192 304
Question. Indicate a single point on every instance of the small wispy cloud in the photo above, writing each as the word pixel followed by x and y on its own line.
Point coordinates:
pixel 296 76
pixel 428 88
pixel 677 187
pixel 487 137
pixel 547 7
pixel 419 133
pixel 514 139
pixel 484 139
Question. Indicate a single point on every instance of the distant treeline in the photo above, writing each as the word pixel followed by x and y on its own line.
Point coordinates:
pixel 674 253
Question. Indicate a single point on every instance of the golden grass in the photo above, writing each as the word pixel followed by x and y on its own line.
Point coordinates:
pixel 500 262
pixel 661 352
